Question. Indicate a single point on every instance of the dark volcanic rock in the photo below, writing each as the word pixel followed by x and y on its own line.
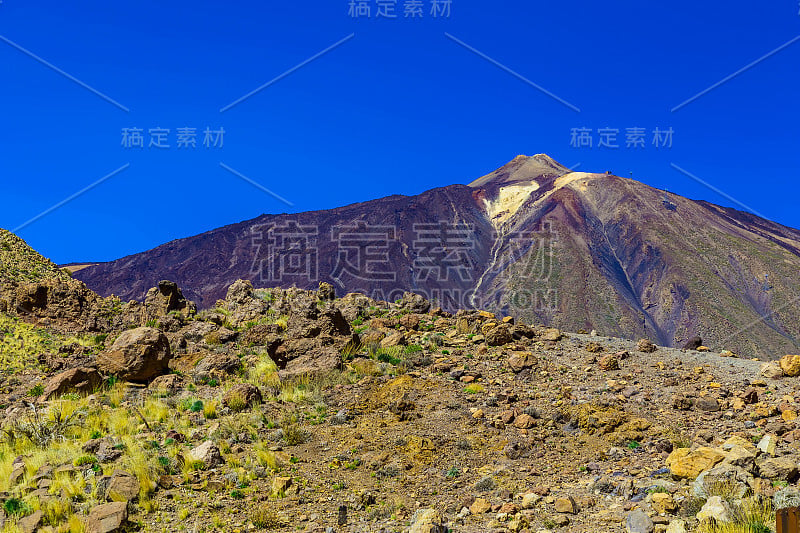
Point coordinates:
pixel 693 343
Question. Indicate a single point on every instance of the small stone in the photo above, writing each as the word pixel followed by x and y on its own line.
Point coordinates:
pixel 676 526
pixel 663 503
pixel 608 362
pixel 767 444
pixel 530 500
pixel 644 345
pixel 280 485
pixel 566 505
pixel 524 421
pixel 638 522
pixel 480 506
pixel 715 508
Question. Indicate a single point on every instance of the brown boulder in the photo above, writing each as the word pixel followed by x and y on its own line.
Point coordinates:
pixel 218 364
pixel 241 396
pixel 83 380
pixel 107 518
pixel 519 361
pixel 644 345
pixel 497 335
pixel 137 355
pixel 609 362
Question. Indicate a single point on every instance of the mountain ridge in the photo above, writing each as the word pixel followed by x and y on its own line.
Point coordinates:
pixel 574 250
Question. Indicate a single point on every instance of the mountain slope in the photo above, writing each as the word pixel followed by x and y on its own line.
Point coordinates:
pixel 19 263
pixel 575 250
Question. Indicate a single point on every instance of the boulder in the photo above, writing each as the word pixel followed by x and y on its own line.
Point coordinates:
pixel 83 380
pixel 122 487
pixel 736 479
pixel 566 505
pixel 693 343
pixel 638 522
pixel 326 291
pixel 778 469
pixel 608 362
pixel 427 521
pixel 219 364
pixel 519 361
pixel 790 365
pixel 787 497
pixel 685 463
pixel 715 509
pixel 242 395
pixel 107 518
pixel 676 526
pixel 166 384
pixel 137 355
pixel 663 502
pixel 497 335
pixel 208 453
pixel 707 403
pixel 771 370
pixel 414 303
pixel 644 345
pixel 30 523
pixel 552 335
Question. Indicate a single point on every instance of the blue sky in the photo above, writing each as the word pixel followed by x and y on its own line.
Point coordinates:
pixel 398 108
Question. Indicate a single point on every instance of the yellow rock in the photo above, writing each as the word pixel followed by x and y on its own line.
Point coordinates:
pixel 703 349
pixel 736 440
pixel 788 415
pixel 714 385
pixel 480 506
pixel 685 463
pixel 486 314
pixel 663 503
pixel 790 364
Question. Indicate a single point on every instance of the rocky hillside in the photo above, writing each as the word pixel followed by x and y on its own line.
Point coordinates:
pixel 19 263
pixel 574 250
pixel 294 410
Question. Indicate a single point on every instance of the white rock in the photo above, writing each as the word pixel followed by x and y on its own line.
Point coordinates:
pixel 715 508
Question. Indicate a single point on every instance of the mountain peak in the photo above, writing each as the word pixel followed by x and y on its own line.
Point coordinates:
pixel 522 169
